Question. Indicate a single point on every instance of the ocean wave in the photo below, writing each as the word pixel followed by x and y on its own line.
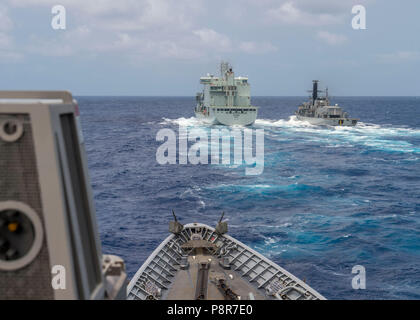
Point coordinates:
pixel 269 189
pixel 185 122
pixel 372 136
pixel 361 127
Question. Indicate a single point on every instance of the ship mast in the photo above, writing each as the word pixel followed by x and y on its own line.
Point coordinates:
pixel 326 96
pixel 224 67
pixel 229 81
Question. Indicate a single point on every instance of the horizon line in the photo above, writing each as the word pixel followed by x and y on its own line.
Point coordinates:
pixel 255 96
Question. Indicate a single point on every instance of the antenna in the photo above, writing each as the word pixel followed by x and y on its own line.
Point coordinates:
pixel 173 213
pixel 224 66
pixel 221 218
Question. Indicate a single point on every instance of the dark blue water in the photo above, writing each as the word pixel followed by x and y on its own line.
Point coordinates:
pixel 328 199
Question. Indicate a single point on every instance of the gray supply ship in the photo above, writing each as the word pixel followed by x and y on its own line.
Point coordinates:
pixel 197 262
pixel 318 111
pixel 226 99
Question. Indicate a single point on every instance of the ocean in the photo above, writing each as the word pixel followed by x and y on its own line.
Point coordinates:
pixel 329 198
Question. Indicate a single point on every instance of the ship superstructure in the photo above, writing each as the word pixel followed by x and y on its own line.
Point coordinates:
pixel 318 110
pixel 226 99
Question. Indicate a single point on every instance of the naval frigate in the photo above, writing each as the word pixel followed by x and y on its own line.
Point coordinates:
pixel 226 99
pixel 198 262
pixel 318 110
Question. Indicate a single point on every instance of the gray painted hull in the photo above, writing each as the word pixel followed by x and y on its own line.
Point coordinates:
pixel 245 117
pixel 343 122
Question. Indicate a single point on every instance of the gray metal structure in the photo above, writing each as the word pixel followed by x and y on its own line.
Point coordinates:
pixel 47 214
pixel 200 262
pixel 318 111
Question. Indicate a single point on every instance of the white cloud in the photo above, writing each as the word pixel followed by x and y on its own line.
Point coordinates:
pixel 134 28
pixel 253 47
pixel 10 56
pixel 5 22
pixel 137 29
pixel 311 12
pixel 331 38
pixel 5 40
pixel 399 56
pixel 125 15
pixel 8 52
pixel 181 29
pixel 214 40
pixel 290 13
pixel 67 43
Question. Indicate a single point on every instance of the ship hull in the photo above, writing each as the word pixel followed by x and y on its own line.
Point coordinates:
pixel 229 116
pixel 342 122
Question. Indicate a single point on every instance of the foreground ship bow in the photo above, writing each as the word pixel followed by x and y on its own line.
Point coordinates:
pixel 197 262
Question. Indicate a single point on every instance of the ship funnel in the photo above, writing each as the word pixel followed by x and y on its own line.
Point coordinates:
pixel 315 90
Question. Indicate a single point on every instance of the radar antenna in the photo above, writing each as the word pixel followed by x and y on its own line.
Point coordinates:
pixel 224 67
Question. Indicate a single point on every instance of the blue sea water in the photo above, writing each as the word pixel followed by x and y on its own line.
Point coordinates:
pixel 327 200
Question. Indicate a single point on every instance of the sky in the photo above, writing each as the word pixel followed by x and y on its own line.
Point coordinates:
pixel 162 47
